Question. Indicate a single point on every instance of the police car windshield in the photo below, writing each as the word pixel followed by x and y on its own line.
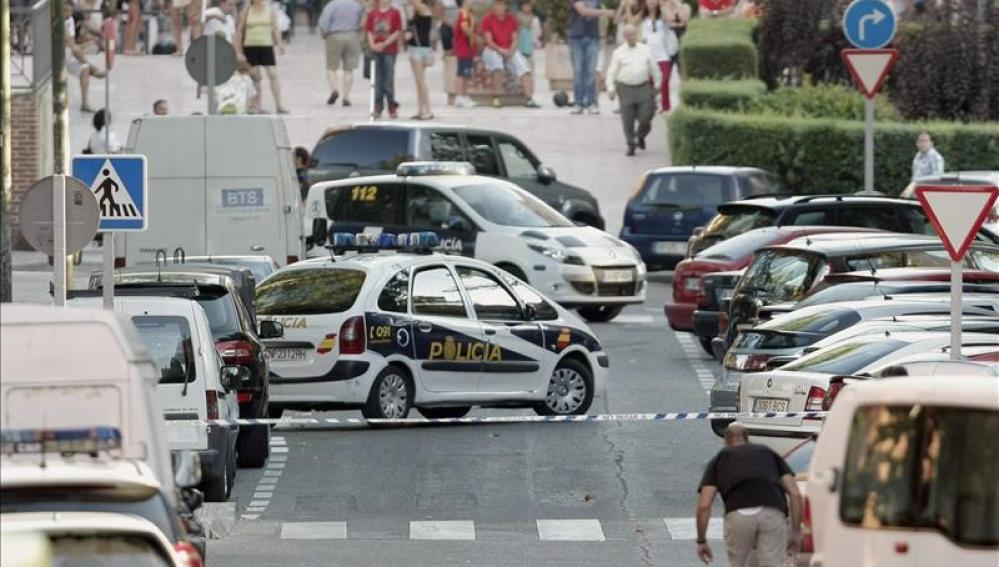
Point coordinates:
pixel 503 206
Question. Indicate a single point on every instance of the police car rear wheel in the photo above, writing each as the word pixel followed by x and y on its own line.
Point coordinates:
pixel 444 413
pixel 391 395
pixel 570 390
pixel 600 313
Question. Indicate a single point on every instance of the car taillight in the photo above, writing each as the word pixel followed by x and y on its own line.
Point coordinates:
pixel 836 383
pixel 747 362
pixel 722 323
pixel 189 556
pixel 244 397
pixel 807 541
pixel 212 403
pixel 352 336
pixel 815 397
pixel 119 261
pixel 292 259
pixel 239 353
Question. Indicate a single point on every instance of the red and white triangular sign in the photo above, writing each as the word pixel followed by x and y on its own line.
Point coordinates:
pixel 869 67
pixel 957 212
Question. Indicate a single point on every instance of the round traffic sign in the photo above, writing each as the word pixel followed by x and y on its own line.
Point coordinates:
pixel 82 216
pixel 196 60
pixel 869 24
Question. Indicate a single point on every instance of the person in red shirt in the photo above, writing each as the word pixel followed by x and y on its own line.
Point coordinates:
pixel 384 26
pixel 499 28
pixel 464 51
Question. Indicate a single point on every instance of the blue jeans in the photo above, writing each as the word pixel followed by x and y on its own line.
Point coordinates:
pixel 584 52
pixel 384 79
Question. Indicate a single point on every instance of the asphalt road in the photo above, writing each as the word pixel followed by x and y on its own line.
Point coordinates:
pixel 619 493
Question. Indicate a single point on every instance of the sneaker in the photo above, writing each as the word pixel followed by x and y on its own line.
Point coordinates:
pixel 497 103
pixel 576 110
pixel 378 112
pixel 594 109
pixel 333 96
pixel 641 142
pixel 529 103
pixel 466 102
pixel 394 110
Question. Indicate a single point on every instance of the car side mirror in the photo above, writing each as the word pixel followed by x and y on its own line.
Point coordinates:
pixel 319 232
pixel 232 377
pixel 270 329
pixel 186 469
pixel 530 312
pixel 546 174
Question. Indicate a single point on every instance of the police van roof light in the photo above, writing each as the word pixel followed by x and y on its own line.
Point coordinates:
pixel 417 242
pixel 424 168
pixel 65 441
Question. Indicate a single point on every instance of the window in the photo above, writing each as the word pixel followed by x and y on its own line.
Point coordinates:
pixel 736 220
pixel 428 208
pixel 740 246
pixel 517 161
pixel 781 276
pixel 108 549
pixel 375 149
pixel 309 292
pixel 919 223
pixel 223 317
pixel 395 294
pixel 499 203
pixel 895 259
pixel 754 184
pixel 684 189
pixel 489 299
pixel 365 203
pixel 436 293
pixel 924 467
pixel 168 340
pixel 543 311
pixel 446 146
pixel 811 218
pixel 846 358
pixel 482 154
pixel 869 217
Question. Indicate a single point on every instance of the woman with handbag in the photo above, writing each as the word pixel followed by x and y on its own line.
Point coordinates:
pixel 421 55
pixel 662 41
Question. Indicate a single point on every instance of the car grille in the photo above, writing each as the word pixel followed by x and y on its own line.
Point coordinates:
pixel 616 289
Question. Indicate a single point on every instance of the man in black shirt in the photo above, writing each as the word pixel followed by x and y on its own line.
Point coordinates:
pixel 756 485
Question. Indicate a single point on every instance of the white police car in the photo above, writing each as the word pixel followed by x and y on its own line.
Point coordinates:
pixel 386 332
pixel 490 219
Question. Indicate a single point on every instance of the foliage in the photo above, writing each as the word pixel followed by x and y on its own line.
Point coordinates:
pixel 821 101
pixel 813 156
pixel 556 18
pixel 719 48
pixel 788 36
pixel 722 95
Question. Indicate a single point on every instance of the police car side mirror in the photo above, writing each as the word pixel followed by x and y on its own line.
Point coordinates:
pixel 271 330
pixel 546 174
pixel 319 232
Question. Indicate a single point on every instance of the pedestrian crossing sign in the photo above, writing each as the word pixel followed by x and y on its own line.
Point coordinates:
pixel 119 183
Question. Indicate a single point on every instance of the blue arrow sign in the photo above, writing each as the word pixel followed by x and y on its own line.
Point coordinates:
pixel 869 24
pixel 120 185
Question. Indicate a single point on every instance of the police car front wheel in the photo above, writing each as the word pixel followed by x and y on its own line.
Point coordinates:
pixel 570 390
pixel 600 313
pixel 391 395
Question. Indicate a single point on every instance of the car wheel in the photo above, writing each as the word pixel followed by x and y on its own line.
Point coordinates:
pixel 275 412
pixel 443 413
pixel 719 426
pixel 513 271
pixel 570 390
pixel 391 395
pixel 600 313
pixel 217 489
pixel 253 446
pixel 706 345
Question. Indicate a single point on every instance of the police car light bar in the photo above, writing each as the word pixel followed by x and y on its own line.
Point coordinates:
pixel 65 441
pixel 417 242
pixel 424 168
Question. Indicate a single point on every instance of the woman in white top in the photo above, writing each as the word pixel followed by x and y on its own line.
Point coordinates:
pixel 661 39
pixel 102 141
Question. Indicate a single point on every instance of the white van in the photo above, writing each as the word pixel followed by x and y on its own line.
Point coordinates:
pixel 193 384
pixel 218 185
pixel 904 473
pixel 75 368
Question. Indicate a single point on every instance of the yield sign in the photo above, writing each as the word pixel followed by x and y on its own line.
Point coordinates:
pixel 957 212
pixel 869 67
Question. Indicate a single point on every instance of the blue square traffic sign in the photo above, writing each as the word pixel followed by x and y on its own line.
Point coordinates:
pixel 869 24
pixel 119 183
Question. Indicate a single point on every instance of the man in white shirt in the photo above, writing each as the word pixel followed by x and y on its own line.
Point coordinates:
pixel 220 19
pixel 635 77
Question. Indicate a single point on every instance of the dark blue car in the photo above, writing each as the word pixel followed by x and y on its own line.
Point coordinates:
pixel 673 201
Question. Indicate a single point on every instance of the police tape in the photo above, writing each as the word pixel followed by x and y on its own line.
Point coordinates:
pixel 411 421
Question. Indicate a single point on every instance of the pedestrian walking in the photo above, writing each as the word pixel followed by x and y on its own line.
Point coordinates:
pixel 76 62
pixel 634 77
pixel 464 52
pixel 383 29
pixel 257 37
pixel 584 47
pixel 101 141
pixel 499 28
pixel 220 20
pixel 662 42
pixel 421 54
pixel 528 31
pixel 927 161
pixel 340 25
pixel 756 486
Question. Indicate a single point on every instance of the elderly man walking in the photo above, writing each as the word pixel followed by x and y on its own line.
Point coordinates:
pixel 340 25
pixel 756 486
pixel 634 76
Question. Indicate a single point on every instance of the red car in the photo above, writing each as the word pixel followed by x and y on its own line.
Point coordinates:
pixel 728 255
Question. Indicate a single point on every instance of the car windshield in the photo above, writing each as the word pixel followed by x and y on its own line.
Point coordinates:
pixel 312 291
pixel 737 220
pixel 845 358
pixel 684 189
pixel 504 206
pixel 168 339
pixel 740 246
pixel 364 148
pixel 780 275
pixel 107 550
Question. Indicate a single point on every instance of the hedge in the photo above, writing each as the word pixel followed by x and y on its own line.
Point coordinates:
pixel 813 156
pixel 719 48
pixel 722 95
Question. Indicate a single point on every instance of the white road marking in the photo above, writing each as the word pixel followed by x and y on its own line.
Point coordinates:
pixel 278 440
pixel 277 459
pixel 279 449
pixel 681 529
pixel 634 319
pixel 314 530
pixel 447 531
pixel 570 530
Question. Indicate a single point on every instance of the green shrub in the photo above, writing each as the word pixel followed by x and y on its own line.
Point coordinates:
pixel 719 48
pixel 722 95
pixel 813 156
pixel 821 101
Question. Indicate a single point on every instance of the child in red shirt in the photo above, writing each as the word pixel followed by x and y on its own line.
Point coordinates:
pixel 464 51
pixel 384 26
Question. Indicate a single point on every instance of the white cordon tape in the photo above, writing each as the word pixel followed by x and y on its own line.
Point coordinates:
pixel 683 416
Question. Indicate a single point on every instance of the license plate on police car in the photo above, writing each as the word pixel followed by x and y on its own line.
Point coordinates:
pixel 770 405
pixel 617 276
pixel 669 247
pixel 287 354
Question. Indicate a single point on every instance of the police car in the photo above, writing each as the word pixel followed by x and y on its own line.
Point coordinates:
pixel 490 219
pixel 390 331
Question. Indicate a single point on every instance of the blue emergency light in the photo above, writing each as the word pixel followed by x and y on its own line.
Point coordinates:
pixel 65 441
pixel 425 241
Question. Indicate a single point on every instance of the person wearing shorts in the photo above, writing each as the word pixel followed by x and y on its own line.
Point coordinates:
pixel 257 36
pixel 500 54
pixel 193 10
pixel 340 25
pixel 76 63
pixel 464 52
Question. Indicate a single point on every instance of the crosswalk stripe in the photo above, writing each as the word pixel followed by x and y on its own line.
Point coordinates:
pixel 570 530
pixel 682 529
pixel 461 530
pixel 634 319
pixel 314 530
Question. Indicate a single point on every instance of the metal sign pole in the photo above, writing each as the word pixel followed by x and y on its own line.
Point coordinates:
pixel 371 105
pixel 868 144
pixel 211 74
pixel 107 292
pixel 955 310
pixel 59 238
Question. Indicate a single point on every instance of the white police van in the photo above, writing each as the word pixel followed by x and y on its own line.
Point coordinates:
pixel 490 219
pixel 386 332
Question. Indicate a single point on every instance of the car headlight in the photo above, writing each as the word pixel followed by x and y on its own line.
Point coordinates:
pixel 554 252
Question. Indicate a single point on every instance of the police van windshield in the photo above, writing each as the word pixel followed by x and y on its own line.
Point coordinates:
pixel 503 206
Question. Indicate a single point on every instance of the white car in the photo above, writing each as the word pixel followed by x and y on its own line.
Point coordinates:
pixel 193 387
pixel 389 332
pixel 490 219
pixel 904 474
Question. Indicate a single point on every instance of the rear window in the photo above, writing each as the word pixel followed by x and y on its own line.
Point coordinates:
pixel 684 189
pixel 108 550
pixel 168 340
pixel 364 148
pixel 223 317
pixel 780 275
pixel 753 184
pixel 736 220
pixel 897 259
pixel 826 321
pixel 740 246
pixel 309 292
pixel 846 358
pixel 924 467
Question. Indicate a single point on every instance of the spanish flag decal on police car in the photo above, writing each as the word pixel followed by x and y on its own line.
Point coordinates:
pixel 328 344
pixel 564 338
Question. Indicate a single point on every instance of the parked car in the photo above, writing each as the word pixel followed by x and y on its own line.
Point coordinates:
pixel 711 316
pixel 904 474
pixel 365 149
pixel 259 266
pixel 799 458
pixel 862 211
pixel 672 201
pixel 952 178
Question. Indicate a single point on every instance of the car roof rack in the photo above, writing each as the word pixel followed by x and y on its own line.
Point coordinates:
pixel 837 197
pixel 186 290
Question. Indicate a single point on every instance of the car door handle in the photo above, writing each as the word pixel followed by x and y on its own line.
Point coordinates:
pixel 424 327
pixel 490 331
